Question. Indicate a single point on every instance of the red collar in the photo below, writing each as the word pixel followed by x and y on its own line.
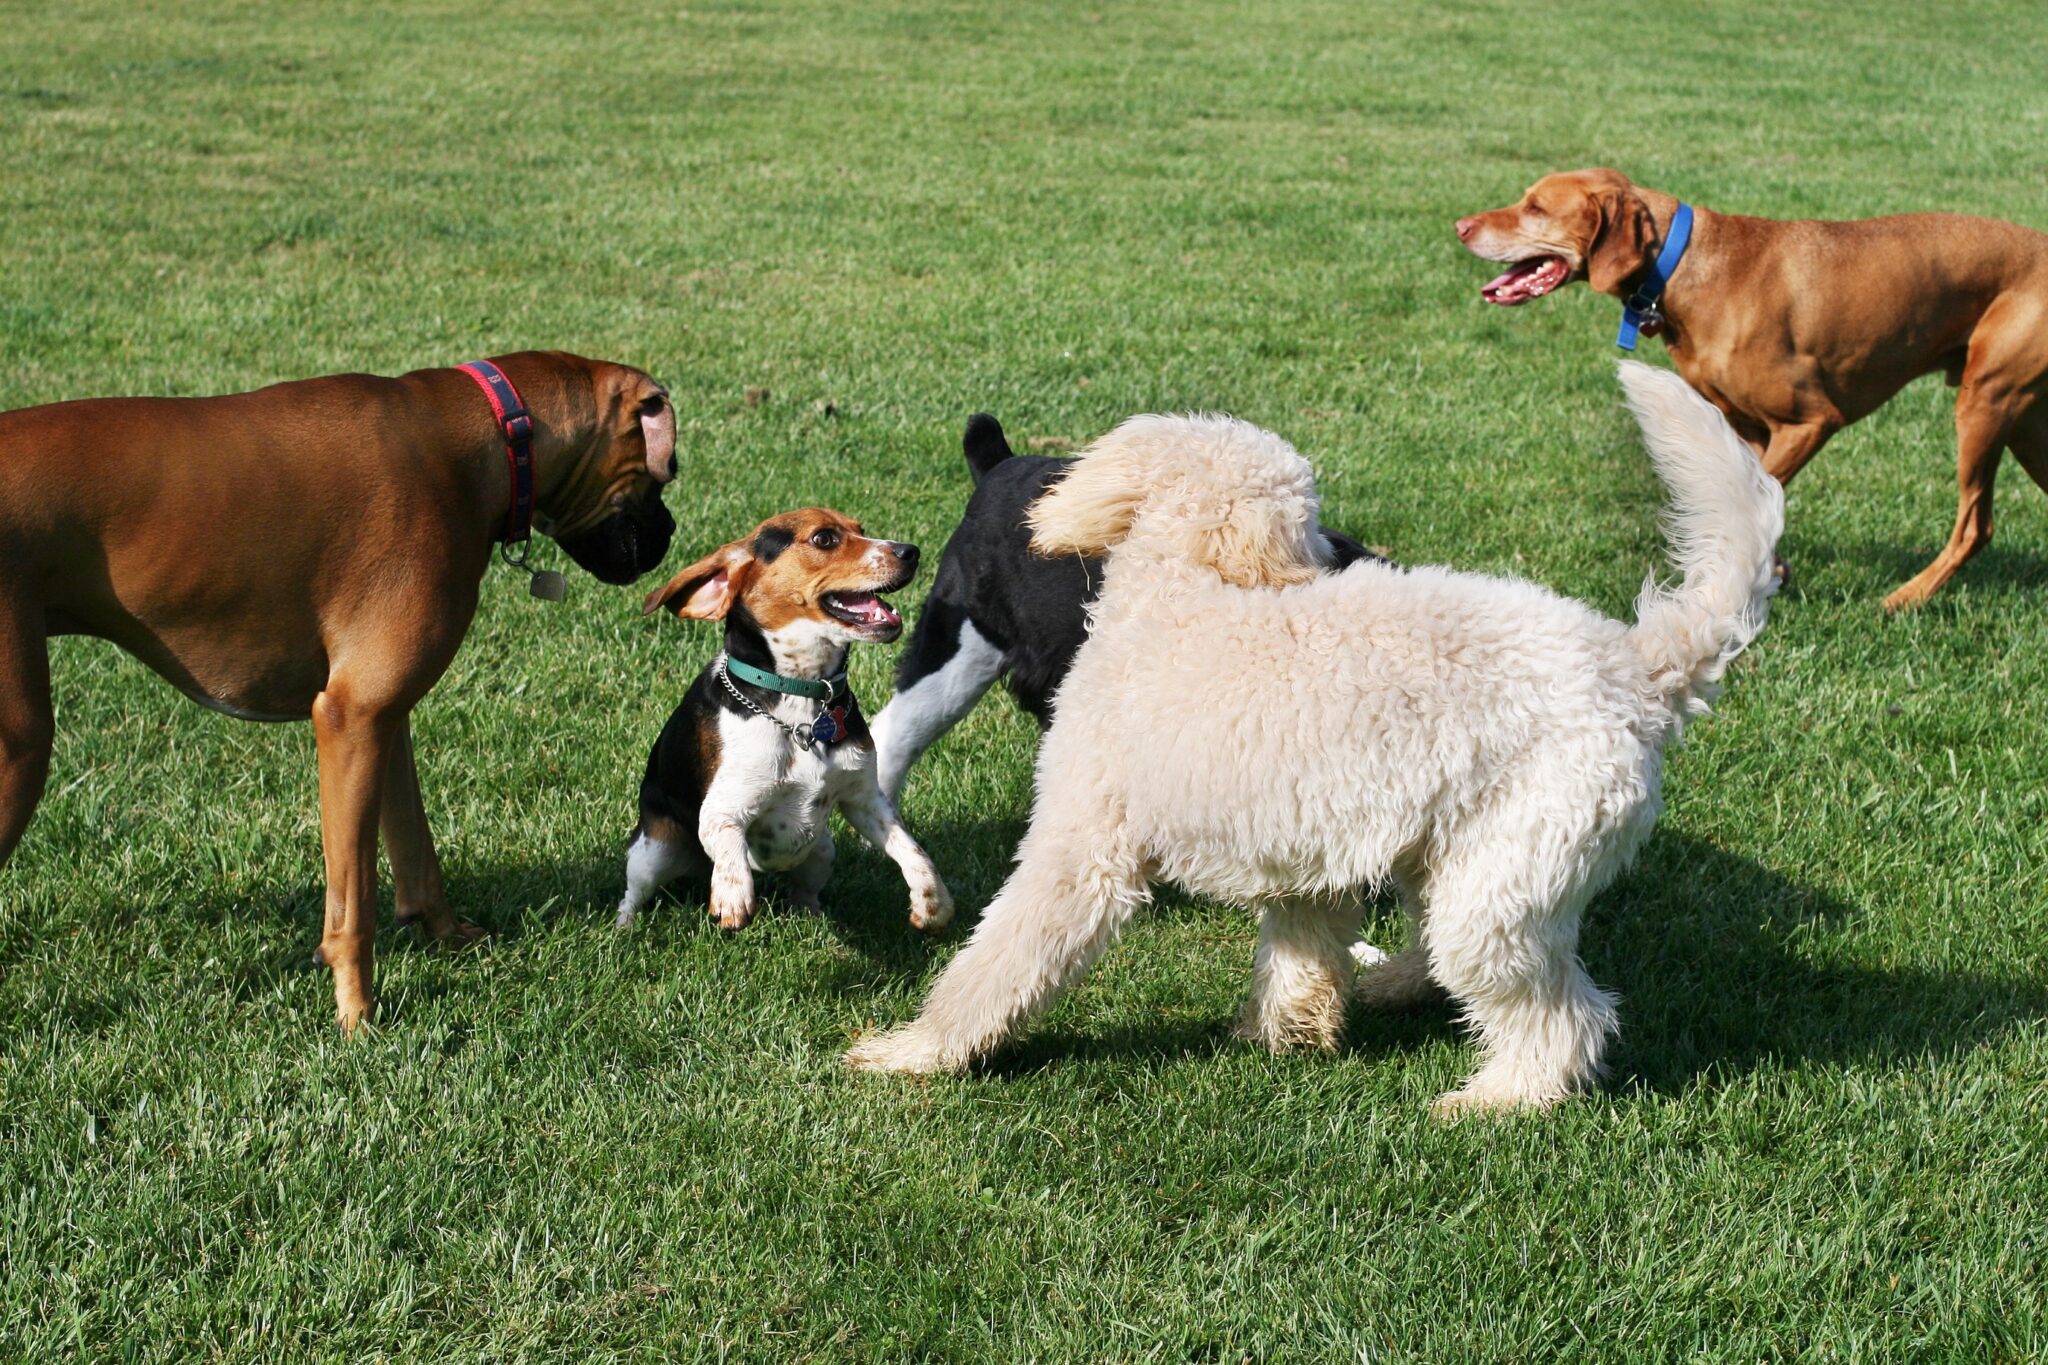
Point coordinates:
pixel 517 425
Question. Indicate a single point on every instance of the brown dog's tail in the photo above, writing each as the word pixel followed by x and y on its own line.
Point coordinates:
pixel 1723 524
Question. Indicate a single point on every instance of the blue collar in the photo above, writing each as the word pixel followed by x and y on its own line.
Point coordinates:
pixel 1641 308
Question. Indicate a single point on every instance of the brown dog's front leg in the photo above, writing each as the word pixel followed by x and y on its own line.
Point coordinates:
pixel 409 844
pixel 355 747
pixel 25 724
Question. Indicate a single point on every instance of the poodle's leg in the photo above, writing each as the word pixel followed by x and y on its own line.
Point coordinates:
pixel 1301 977
pixel 1402 982
pixel 1513 967
pixel 1072 890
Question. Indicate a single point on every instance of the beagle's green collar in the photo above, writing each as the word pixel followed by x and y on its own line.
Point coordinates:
pixel 816 689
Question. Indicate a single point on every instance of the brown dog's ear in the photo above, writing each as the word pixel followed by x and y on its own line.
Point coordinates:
pixel 658 429
pixel 1621 242
pixel 707 589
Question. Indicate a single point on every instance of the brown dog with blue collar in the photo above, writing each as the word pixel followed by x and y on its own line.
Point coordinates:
pixel 314 550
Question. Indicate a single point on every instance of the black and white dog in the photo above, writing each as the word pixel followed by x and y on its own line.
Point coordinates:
pixel 997 609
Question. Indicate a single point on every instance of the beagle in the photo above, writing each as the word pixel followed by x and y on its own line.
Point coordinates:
pixel 769 740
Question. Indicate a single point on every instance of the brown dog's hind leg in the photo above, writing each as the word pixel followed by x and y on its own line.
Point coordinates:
pixel 355 742
pixel 409 844
pixel 1980 442
pixel 25 724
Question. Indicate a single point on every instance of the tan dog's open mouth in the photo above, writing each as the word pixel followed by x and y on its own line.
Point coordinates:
pixel 864 611
pixel 1525 280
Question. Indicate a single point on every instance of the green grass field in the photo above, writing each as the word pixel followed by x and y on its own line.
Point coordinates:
pixel 1824 1138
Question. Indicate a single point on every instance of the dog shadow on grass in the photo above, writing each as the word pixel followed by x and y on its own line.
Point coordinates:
pixel 1851 569
pixel 1724 966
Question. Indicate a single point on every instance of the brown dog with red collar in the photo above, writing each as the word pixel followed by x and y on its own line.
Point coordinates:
pixel 313 549
pixel 1796 329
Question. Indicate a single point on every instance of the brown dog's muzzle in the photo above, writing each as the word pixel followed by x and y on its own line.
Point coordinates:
pixel 625 544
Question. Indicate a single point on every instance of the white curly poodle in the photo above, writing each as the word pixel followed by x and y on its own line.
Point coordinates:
pixel 1260 733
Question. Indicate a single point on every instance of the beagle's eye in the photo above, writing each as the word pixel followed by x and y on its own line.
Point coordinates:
pixel 825 538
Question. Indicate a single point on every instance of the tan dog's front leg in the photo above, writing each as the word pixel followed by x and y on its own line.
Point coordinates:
pixel 1792 447
pixel 25 720
pixel 874 816
pixel 355 746
pixel 409 844
pixel 732 880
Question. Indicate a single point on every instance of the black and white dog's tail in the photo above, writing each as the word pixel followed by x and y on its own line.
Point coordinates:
pixel 984 444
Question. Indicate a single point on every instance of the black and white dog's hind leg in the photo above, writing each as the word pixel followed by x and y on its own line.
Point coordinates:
pixel 944 672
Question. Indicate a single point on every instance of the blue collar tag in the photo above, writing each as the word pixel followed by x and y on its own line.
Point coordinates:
pixel 1640 312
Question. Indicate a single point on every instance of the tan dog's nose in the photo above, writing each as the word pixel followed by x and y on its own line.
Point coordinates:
pixel 1465 227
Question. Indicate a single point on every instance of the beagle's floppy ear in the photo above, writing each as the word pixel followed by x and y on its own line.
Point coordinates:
pixel 707 589
pixel 1092 506
pixel 1621 241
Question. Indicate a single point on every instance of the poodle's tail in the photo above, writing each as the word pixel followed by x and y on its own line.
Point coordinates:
pixel 1723 525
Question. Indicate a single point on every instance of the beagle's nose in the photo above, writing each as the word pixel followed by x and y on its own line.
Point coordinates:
pixel 906 553
pixel 1465 227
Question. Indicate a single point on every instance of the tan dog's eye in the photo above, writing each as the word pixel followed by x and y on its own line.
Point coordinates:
pixel 1537 209
pixel 825 539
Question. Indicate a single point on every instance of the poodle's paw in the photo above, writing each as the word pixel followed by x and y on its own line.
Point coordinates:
pixel 1310 1027
pixel 1473 1101
pixel 908 1051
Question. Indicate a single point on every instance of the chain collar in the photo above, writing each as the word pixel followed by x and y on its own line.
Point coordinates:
pixel 822 728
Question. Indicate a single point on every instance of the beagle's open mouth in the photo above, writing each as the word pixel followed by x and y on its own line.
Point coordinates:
pixel 865 611
pixel 1525 280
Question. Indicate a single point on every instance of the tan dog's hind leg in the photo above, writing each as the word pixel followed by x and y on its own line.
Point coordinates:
pixel 355 743
pixel 409 844
pixel 1301 978
pixel 25 722
pixel 1980 441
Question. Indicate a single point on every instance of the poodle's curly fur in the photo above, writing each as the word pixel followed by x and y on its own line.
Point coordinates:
pixel 1260 733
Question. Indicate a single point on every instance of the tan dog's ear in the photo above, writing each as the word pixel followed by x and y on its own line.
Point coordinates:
pixel 1092 506
pixel 707 589
pixel 1621 242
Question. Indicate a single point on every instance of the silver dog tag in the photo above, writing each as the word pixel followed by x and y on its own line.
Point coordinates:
pixel 548 586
